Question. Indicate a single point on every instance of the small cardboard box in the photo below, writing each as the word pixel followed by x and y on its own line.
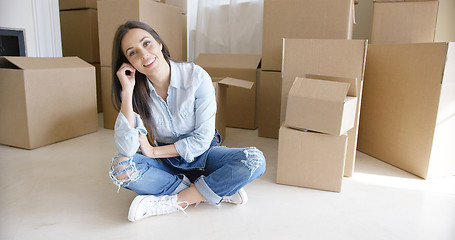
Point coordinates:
pixel 46 100
pixel 221 88
pixel 408 112
pixel 310 159
pixel 269 104
pixel 76 4
pixel 165 19
pixel 404 21
pixel 318 19
pixel 328 57
pixel 241 102
pixel 79 30
pixel 321 106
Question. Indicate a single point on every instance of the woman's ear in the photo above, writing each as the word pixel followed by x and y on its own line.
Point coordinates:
pixel 161 46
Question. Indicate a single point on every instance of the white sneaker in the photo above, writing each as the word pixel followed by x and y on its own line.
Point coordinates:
pixel 148 205
pixel 239 198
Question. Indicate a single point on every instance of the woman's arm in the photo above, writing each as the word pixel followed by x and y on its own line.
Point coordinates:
pixel 156 152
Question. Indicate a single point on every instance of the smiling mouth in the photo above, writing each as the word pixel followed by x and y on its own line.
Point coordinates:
pixel 150 62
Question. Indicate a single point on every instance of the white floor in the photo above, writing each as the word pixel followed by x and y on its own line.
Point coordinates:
pixel 62 191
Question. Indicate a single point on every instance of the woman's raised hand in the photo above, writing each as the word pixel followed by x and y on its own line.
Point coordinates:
pixel 126 74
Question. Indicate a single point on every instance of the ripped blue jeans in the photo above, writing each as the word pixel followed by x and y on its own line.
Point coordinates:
pixel 226 171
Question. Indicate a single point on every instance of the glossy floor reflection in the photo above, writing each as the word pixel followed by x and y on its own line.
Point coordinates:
pixel 62 191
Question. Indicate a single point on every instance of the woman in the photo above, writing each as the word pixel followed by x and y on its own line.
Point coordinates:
pixel 167 110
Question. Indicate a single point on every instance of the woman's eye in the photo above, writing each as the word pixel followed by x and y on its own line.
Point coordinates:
pixel 131 53
pixel 146 43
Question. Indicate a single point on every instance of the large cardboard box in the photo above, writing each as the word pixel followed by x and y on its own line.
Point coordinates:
pixel 321 106
pixel 241 102
pixel 46 100
pixel 221 87
pixel 310 159
pixel 408 112
pixel 99 93
pixel 302 19
pixel 79 30
pixel 329 57
pixel 76 4
pixel 165 19
pixel 404 21
pixel 109 112
pixel 269 104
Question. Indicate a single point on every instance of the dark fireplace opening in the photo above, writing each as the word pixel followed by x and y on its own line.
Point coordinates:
pixel 12 42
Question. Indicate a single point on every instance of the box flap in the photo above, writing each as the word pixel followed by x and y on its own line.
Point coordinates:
pixel 47 62
pixel 236 82
pixel 242 61
pixel 353 87
pixel 319 89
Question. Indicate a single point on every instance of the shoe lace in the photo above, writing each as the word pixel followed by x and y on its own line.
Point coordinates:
pixel 164 206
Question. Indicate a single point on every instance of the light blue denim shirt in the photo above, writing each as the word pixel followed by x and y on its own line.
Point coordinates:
pixel 187 118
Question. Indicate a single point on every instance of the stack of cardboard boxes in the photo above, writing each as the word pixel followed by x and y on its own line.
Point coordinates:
pixel 79 30
pixel 408 113
pixel 310 19
pixel 167 20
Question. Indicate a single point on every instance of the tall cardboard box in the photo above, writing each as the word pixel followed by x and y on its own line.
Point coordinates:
pixel 46 100
pixel 241 102
pixel 165 19
pixel 79 30
pixel 310 159
pixel 404 21
pixel 321 106
pixel 408 112
pixel 324 19
pixel 221 87
pixel 269 104
pixel 109 112
pixel 76 4
pixel 329 57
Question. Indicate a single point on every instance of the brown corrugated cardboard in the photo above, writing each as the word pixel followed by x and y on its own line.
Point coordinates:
pixel 165 19
pixel 76 4
pixel 309 159
pixel 404 22
pixel 302 19
pixel 332 57
pixel 109 112
pixel 269 104
pixel 79 30
pixel 408 113
pixel 321 106
pixel 99 98
pixel 241 103
pixel 221 87
pixel 46 100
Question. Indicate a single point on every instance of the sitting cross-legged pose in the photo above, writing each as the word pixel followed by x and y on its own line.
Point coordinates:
pixel 167 111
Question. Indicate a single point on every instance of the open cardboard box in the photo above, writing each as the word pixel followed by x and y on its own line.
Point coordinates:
pixel 329 57
pixel 46 100
pixel 408 112
pixel 241 102
pixel 321 106
pixel 309 159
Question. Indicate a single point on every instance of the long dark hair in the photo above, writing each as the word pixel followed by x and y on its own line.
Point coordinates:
pixel 141 92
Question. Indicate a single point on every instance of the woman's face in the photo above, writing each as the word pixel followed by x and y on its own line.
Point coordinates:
pixel 142 51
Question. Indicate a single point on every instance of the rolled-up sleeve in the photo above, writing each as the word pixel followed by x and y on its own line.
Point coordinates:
pixel 126 138
pixel 205 110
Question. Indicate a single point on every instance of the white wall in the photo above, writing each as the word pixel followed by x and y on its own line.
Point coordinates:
pixel 41 22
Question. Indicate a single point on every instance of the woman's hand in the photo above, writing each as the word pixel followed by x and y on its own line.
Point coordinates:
pixel 126 74
pixel 146 148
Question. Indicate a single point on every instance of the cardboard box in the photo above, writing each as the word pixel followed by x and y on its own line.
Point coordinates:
pixel 329 57
pixel 165 19
pixel 311 160
pixel 109 112
pixel 404 22
pixel 408 113
pixel 221 88
pixel 241 103
pixel 269 104
pixel 46 100
pixel 323 19
pixel 182 4
pixel 321 106
pixel 99 93
pixel 79 29
pixel 76 4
